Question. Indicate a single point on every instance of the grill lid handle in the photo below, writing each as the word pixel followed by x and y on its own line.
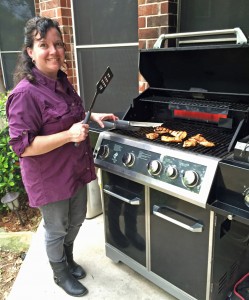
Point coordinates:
pixel 240 37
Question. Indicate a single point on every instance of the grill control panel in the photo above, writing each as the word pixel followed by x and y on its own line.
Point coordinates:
pixel 181 174
pixel 177 172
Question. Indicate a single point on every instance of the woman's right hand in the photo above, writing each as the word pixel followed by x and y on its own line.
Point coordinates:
pixel 78 132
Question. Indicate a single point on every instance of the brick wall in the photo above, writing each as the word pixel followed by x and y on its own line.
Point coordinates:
pixel 60 10
pixel 155 17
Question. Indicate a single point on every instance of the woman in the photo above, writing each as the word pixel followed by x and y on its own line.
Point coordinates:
pixel 44 114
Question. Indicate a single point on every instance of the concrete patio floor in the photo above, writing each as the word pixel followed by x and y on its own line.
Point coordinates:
pixel 105 279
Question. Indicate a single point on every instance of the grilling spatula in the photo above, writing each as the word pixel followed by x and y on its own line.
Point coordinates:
pixel 129 125
pixel 100 87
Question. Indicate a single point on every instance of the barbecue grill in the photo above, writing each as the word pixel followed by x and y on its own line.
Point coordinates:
pixel 170 211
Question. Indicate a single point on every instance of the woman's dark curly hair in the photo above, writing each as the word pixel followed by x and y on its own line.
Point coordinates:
pixel 36 25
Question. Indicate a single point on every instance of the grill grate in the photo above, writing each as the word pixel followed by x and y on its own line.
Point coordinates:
pixel 220 136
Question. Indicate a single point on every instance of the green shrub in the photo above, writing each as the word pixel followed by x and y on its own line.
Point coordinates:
pixel 10 175
pixel 3 119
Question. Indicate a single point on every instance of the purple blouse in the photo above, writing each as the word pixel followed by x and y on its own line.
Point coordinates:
pixel 42 108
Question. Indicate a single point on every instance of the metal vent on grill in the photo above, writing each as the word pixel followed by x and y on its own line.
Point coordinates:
pixel 234 269
pixel 222 282
pixel 227 276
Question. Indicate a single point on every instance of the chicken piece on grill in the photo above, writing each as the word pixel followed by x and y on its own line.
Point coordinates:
pixel 198 138
pixel 161 130
pixel 202 141
pixel 189 143
pixel 178 134
pixel 207 144
pixel 170 139
pixel 152 135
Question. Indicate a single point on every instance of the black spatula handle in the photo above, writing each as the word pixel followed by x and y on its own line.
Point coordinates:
pixel 100 87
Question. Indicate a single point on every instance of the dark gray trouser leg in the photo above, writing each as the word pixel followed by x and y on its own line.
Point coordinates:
pixel 77 215
pixel 62 221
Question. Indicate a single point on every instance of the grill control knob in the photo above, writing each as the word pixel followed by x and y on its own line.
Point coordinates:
pixel 171 172
pixel 190 178
pixel 246 198
pixel 154 167
pixel 103 151
pixel 128 159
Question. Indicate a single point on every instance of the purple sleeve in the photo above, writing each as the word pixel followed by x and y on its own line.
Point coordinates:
pixel 25 121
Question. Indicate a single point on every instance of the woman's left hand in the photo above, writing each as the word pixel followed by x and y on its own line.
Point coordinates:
pixel 99 117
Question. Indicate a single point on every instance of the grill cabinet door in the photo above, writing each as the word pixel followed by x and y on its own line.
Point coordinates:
pixel 124 207
pixel 178 254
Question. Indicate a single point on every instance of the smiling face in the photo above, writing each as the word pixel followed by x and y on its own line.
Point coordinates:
pixel 48 53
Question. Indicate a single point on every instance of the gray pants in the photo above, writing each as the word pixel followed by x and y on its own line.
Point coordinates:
pixel 62 221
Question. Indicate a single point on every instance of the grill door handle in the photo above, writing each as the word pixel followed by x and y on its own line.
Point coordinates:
pixel 196 227
pixel 132 201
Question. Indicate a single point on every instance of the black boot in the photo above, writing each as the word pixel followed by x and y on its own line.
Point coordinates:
pixel 66 280
pixel 76 270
